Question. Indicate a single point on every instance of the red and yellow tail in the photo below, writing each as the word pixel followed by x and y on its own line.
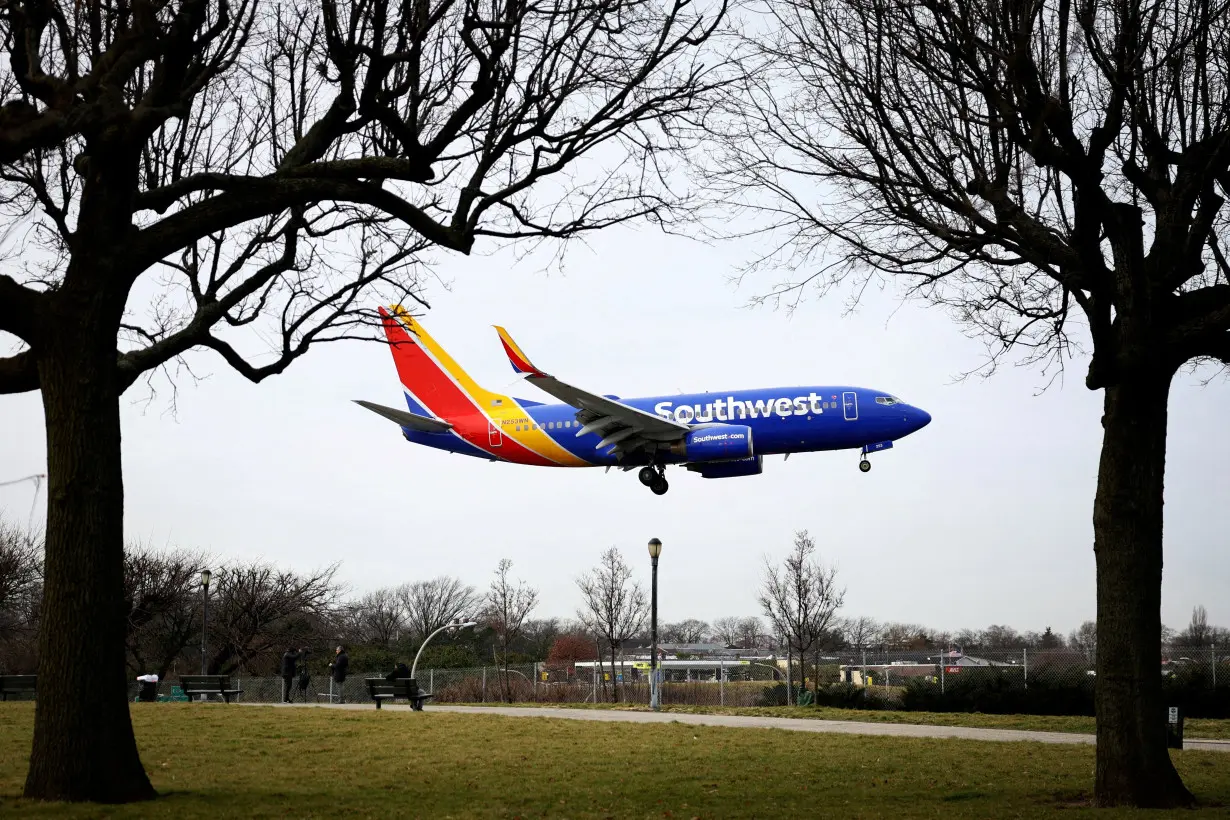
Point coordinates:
pixel 494 422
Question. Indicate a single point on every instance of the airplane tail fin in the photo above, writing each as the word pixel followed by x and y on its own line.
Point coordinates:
pixel 434 383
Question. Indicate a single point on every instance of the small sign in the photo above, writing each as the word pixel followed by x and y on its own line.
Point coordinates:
pixel 1174 714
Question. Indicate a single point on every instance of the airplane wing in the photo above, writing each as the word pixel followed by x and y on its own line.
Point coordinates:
pixel 623 427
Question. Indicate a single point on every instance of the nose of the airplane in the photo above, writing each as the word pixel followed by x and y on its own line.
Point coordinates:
pixel 921 418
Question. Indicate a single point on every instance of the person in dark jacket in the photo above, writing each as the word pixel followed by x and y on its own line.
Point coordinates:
pixel 341 662
pixel 289 659
pixel 399 671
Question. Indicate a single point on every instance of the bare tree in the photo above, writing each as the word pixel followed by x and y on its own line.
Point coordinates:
pixel 898 635
pixel 505 608
pixel 177 173
pixel 1047 170
pixel 801 598
pixel 689 630
pixel 21 589
pixel 379 617
pixel 1198 632
pixel 1084 639
pixel 751 631
pixel 726 630
pixel 861 632
pixel 162 592
pixel 258 610
pixel 615 606
pixel 430 605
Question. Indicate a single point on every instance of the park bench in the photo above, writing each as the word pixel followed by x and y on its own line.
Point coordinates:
pixel 193 685
pixel 382 689
pixel 16 685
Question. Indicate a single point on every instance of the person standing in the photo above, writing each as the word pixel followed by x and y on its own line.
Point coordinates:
pixel 289 660
pixel 341 662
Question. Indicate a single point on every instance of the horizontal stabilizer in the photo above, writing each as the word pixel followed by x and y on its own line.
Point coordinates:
pixel 411 420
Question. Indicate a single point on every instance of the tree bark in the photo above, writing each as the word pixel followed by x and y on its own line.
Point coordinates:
pixel 614 678
pixel 83 747
pixel 1133 763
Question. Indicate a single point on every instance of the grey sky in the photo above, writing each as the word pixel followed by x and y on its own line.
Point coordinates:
pixel 982 517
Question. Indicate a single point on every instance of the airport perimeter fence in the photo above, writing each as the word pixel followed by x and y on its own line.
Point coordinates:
pixel 1020 681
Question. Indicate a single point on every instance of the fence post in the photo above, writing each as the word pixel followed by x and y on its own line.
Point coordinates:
pixel 431 680
pixel 484 684
pixel 722 679
pixel 1025 660
pixel 943 661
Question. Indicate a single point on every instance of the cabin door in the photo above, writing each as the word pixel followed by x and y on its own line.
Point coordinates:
pixel 849 406
pixel 495 436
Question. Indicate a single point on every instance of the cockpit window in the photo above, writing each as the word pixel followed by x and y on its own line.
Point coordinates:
pixel 888 400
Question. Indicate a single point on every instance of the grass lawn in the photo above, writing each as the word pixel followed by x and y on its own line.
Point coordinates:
pixel 212 761
pixel 1192 728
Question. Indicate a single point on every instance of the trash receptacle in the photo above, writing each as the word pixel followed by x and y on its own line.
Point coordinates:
pixel 149 692
pixel 1174 728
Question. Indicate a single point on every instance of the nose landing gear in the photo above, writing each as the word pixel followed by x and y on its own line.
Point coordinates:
pixel 654 478
pixel 865 465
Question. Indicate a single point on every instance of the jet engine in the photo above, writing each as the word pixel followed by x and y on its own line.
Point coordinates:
pixel 718 442
pixel 730 469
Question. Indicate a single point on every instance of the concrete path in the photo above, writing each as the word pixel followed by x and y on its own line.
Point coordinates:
pixel 847 727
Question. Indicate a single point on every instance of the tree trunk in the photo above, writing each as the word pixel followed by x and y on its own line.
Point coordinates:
pixel 1133 763
pixel 790 673
pixel 614 678
pixel 83 747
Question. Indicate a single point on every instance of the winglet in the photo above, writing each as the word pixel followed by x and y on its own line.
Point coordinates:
pixel 519 361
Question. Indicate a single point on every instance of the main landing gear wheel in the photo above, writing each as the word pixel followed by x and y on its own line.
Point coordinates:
pixel 647 475
pixel 659 486
pixel 865 466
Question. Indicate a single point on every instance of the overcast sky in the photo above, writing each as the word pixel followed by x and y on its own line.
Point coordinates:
pixel 982 517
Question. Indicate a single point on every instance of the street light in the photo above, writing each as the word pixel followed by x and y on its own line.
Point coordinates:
pixel 454 625
pixel 205 576
pixel 655 701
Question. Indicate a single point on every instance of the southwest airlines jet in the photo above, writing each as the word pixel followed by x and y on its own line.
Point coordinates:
pixel 719 435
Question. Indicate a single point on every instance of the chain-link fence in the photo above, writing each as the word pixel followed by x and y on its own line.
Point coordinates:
pixel 1018 681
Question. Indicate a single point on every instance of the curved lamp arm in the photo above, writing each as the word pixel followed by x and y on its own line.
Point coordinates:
pixel 415 665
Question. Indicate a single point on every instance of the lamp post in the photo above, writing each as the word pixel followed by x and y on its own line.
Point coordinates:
pixel 655 702
pixel 454 625
pixel 205 576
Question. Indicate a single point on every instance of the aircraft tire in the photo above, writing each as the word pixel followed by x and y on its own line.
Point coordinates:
pixel 659 487
pixel 648 476
pixel 865 466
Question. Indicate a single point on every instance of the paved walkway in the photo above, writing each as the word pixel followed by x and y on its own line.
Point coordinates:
pixel 847 727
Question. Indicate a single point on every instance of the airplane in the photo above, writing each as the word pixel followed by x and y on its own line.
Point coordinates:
pixel 718 435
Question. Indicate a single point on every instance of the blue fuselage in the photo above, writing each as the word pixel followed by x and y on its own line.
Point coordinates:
pixel 781 420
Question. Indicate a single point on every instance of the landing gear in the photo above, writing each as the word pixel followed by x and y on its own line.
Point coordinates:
pixel 654 478
pixel 865 465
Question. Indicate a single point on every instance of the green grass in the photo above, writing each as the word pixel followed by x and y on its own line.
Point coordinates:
pixel 211 761
pixel 1192 728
